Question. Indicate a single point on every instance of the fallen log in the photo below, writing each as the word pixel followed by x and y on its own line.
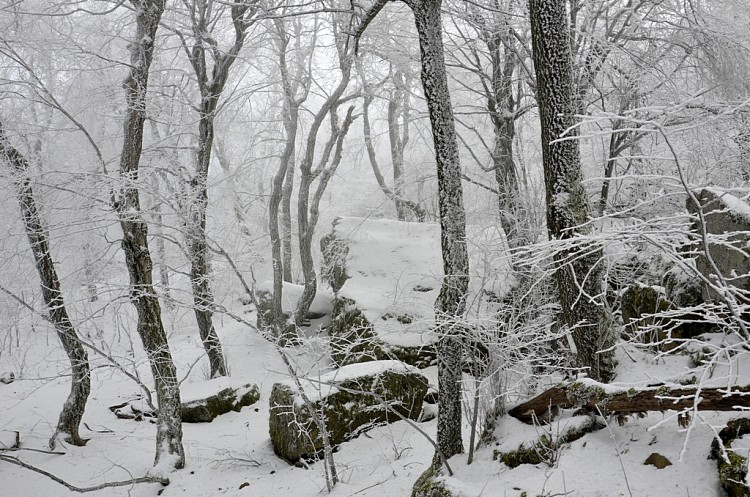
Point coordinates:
pixel 612 399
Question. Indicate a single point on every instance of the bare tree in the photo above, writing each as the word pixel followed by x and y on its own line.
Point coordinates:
pixel 72 412
pixel 211 81
pixel 169 450
pixel 579 273
pixel 451 302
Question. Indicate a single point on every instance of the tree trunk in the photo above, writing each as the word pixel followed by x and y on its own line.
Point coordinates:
pixel 398 100
pixel 286 221
pixel 72 412
pixel 451 302
pixel 169 450
pixel 200 274
pixel 578 275
pixel 631 400
pixel 502 110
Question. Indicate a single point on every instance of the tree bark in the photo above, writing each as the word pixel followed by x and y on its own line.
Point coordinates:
pixel 73 409
pixel 451 301
pixel 631 401
pixel 169 448
pixel 578 275
pixel 211 89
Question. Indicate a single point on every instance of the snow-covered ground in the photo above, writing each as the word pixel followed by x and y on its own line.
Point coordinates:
pixel 232 456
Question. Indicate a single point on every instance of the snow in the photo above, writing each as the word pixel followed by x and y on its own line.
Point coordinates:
pixel 324 385
pixel 200 390
pixel 235 449
pixel 395 272
pixel 734 205
pixel 291 294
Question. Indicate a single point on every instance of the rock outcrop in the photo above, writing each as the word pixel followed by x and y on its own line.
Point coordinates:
pixel 352 399
pixel 727 228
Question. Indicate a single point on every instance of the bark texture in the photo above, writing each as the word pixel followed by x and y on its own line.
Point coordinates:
pixel 578 275
pixel 135 239
pixel 660 398
pixel 211 87
pixel 73 409
pixel 451 302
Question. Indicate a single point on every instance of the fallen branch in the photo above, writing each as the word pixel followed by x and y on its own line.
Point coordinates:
pixel 609 399
pixel 125 483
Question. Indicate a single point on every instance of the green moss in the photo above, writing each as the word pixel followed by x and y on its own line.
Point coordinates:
pixel 732 474
pixel 353 340
pixel 545 449
pixel 427 485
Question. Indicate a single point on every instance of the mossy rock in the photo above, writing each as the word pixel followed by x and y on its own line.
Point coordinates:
pixel 351 399
pixel 429 485
pixel 637 302
pixel 353 340
pixel 544 448
pixel 732 474
pixel 206 409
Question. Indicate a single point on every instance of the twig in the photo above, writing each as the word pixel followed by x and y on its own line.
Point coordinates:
pixel 124 483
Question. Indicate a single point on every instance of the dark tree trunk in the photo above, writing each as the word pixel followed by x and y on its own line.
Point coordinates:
pixel 211 89
pixel 169 448
pixel 502 108
pixel 398 104
pixel 72 412
pixel 286 222
pixel 451 302
pixel 200 273
pixel 632 401
pixel 578 276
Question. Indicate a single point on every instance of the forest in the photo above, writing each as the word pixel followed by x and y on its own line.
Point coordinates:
pixel 438 248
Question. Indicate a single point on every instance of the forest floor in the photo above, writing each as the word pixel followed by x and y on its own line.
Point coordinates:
pixel 232 456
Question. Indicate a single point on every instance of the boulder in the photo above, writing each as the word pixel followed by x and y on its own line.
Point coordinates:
pixel 321 306
pixel 727 226
pixel 352 399
pixel 386 276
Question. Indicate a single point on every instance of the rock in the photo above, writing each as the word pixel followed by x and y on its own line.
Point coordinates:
pixel 7 378
pixel 9 440
pixel 351 399
pixel 430 484
pixel 387 274
pixel 727 217
pixel 204 401
pixel 732 473
pixel 320 307
pixel 638 301
pixel 657 460
pixel 353 340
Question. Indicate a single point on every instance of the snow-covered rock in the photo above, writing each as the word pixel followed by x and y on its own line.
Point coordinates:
pixel 727 226
pixel 352 399
pixel 387 275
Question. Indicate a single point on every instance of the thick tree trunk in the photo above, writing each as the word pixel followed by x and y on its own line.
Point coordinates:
pixel 169 450
pixel 578 276
pixel 72 412
pixel 631 400
pixel 451 302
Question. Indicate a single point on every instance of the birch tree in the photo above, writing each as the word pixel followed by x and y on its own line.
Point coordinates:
pixel 38 236
pixel 169 449
pixel 579 273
